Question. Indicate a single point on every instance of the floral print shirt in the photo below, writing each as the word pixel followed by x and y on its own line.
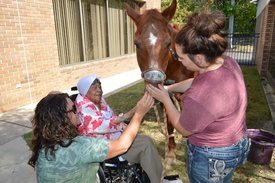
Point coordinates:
pixel 97 122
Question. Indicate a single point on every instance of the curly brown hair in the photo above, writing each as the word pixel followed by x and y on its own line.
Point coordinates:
pixel 51 126
pixel 203 34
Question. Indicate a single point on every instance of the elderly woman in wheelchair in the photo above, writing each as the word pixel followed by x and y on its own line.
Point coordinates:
pixel 97 120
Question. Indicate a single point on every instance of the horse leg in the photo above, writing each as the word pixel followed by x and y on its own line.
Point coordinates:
pixel 171 139
pixel 171 142
pixel 170 128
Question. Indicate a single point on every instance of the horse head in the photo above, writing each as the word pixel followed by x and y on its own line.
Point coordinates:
pixel 154 40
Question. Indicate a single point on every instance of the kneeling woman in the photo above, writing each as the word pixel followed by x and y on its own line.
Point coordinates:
pixel 60 154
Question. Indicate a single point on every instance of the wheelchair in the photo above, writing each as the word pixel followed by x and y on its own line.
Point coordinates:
pixel 117 169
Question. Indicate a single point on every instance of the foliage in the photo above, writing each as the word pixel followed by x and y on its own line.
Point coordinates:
pixel 244 12
pixel 28 137
pixel 186 7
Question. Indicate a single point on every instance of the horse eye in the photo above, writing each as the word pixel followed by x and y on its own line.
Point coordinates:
pixel 137 45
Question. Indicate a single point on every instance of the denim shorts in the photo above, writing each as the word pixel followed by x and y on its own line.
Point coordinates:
pixel 206 164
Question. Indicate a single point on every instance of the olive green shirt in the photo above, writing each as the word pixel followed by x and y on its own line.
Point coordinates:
pixel 77 163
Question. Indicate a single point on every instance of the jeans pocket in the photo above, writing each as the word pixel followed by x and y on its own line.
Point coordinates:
pixel 189 160
pixel 221 168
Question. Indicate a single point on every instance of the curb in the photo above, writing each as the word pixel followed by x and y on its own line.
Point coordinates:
pixel 270 98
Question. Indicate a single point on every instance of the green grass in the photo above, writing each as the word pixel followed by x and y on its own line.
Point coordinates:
pixel 257 114
pixel 28 138
pixel 257 108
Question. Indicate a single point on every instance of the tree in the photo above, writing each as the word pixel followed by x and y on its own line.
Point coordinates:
pixel 244 11
pixel 186 7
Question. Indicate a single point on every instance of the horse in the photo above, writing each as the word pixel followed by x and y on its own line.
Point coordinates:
pixel 155 45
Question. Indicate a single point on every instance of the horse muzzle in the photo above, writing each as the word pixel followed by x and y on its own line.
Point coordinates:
pixel 153 76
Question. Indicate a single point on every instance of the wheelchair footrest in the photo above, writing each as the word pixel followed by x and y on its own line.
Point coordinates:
pixel 172 179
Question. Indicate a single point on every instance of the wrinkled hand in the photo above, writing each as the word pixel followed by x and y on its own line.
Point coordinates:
pixel 119 119
pixel 144 104
pixel 130 113
pixel 160 93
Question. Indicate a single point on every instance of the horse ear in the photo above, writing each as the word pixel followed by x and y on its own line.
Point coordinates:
pixel 173 28
pixel 132 13
pixel 169 12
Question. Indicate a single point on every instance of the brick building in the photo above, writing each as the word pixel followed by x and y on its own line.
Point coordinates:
pixel 49 44
pixel 265 56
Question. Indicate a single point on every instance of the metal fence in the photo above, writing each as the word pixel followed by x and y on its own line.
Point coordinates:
pixel 242 47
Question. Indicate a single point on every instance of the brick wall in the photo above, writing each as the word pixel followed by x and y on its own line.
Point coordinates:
pixel 28 51
pixel 260 28
pixel 102 68
pixel 268 37
pixel 265 48
pixel 271 62
pixel 29 65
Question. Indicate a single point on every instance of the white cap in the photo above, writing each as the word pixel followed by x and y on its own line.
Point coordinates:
pixel 84 84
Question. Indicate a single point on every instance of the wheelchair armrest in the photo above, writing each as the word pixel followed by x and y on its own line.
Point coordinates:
pixel 117 161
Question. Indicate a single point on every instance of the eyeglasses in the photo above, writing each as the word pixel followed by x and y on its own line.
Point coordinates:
pixel 72 110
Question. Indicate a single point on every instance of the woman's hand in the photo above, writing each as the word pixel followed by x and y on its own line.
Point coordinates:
pixel 160 93
pixel 144 104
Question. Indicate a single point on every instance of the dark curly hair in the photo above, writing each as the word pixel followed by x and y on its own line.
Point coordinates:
pixel 51 126
pixel 203 34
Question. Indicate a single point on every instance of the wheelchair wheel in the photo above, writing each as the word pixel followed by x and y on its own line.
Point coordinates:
pixel 116 170
pixel 144 177
pixel 138 175
pixel 100 175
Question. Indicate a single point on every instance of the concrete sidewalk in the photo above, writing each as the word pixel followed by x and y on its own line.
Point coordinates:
pixel 14 151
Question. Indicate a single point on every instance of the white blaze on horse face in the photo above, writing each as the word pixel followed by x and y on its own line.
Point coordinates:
pixel 152 39
pixel 153 49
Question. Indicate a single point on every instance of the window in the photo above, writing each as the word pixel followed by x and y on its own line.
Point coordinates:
pixel 90 29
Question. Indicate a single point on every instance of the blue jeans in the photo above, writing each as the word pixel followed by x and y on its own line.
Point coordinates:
pixel 206 164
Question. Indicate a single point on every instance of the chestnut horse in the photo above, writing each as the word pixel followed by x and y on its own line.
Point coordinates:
pixel 155 45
